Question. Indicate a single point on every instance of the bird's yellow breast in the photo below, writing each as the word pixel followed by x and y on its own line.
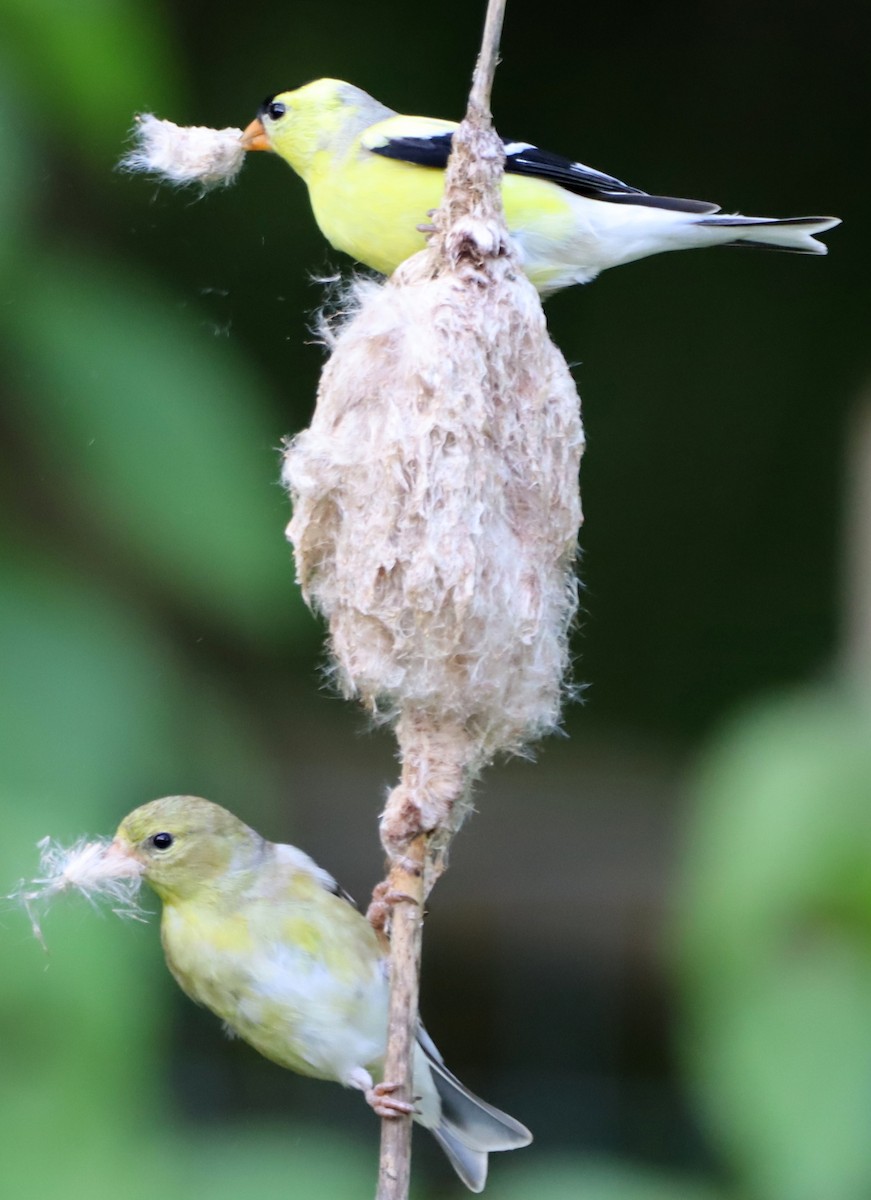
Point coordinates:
pixel 370 207
pixel 298 977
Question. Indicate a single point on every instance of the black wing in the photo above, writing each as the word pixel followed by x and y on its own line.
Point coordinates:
pixel 523 159
pixel 343 895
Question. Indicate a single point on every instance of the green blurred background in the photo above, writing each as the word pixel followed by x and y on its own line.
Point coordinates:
pixel 654 945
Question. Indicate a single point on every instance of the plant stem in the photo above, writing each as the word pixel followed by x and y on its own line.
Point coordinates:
pixel 405 894
pixel 488 59
pixel 422 856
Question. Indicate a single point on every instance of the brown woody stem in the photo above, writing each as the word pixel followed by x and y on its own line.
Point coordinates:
pixel 405 896
pixel 417 849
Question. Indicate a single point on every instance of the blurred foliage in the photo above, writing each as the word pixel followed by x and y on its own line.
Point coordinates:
pixel 161 460
pixel 590 1179
pixel 95 61
pixel 153 352
pixel 157 435
pixel 775 948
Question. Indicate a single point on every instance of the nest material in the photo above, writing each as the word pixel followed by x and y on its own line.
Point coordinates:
pixel 436 505
pixel 436 510
pixel 185 155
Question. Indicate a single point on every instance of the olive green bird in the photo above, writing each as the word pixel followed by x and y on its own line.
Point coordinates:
pixel 258 933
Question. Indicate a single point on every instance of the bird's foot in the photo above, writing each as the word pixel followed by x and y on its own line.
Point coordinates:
pixel 380 1097
pixel 383 899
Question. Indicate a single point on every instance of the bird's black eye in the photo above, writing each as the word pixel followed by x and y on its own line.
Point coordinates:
pixel 162 841
pixel 275 109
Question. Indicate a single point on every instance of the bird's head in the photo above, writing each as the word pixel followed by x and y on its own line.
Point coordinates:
pixel 185 844
pixel 320 117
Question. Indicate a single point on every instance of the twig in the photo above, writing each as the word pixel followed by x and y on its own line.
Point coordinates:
pixel 416 856
pixel 488 59
pixel 405 887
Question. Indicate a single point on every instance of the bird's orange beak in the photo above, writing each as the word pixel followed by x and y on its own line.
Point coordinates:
pixel 254 136
pixel 120 858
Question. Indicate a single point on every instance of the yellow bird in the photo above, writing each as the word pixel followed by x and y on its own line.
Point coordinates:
pixel 258 933
pixel 374 176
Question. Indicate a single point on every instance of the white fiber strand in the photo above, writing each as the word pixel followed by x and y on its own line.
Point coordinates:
pixel 436 505
pixel 85 867
pixel 435 522
pixel 185 154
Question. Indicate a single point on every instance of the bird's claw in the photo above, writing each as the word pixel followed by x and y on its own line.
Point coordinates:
pixel 384 897
pixel 380 1098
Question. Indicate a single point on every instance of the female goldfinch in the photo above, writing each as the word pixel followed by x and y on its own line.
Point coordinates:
pixel 263 937
pixel 374 176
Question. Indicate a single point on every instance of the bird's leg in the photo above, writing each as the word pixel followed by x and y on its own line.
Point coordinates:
pixel 379 1096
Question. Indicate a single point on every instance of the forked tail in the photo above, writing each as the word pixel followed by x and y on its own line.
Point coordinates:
pixel 774 233
pixel 470 1129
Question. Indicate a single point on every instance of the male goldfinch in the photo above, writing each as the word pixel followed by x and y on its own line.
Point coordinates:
pixel 263 937
pixel 374 176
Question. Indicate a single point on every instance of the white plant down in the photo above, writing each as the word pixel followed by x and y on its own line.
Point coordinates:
pixel 435 520
pixel 88 867
pixel 185 154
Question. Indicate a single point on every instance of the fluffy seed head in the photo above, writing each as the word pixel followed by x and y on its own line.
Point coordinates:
pixel 436 508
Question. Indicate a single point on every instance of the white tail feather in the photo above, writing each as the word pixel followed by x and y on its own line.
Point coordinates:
pixel 780 233
pixel 468 1128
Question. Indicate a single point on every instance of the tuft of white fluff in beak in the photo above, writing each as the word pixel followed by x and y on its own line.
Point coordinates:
pixel 98 870
pixel 185 154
